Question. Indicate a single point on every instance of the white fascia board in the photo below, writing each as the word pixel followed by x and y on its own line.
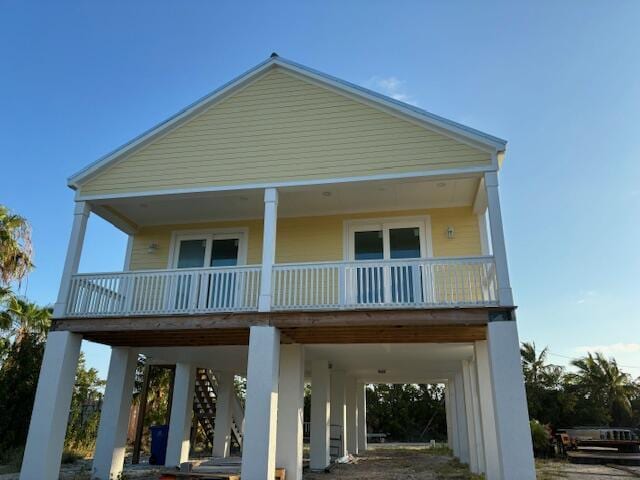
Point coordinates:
pixel 442 125
pixel 451 172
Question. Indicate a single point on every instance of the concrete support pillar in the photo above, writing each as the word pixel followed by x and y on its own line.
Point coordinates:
pixel 261 407
pixel 461 416
pixel 74 252
pixel 487 409
pixel 45 441
pixel 497 238
pixel 453 418
pixel 224 406
pixel 351 394
pixel 473 413
pixel 339 410
pixel 320 409
pixel 111 442
pixel 510 402
pixel 290 411
pixel 268 247
pixel 361 399
pixel 471 425
pixel 178 442
pixel 448 417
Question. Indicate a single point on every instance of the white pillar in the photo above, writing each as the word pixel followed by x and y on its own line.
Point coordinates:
pixel 268 247
pixel 471 425
pixel 45 441
pixel 351 393
pixel 497 238
pixel 510 402
pixel 461 416
pixel 114 418
pixel 485 393
pixel 224 406
pixel 485 246
pixel 290 411
pixel 74 252
pixel 448 417
pixel 320 402
pixel 338 409
pixel 452 412
pixel 178 441
pixel 362 417
pixel 470 372
pixel 261 406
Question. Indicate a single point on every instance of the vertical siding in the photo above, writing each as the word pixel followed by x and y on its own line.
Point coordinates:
pixel 314 239
pixel 282 128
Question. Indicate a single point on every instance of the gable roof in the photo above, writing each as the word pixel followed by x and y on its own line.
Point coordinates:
pixel 429 120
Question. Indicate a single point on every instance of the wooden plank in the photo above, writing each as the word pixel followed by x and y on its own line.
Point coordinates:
pixel 231 321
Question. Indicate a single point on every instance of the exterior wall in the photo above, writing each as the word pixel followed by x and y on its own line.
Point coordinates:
pixel 315 239
pixel 282 128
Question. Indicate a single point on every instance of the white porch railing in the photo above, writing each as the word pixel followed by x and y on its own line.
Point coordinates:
pixel 148 292
pixel 438 282
pixel 419 283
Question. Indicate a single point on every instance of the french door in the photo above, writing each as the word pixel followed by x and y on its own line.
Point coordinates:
pixel 212 288
pixel 373 244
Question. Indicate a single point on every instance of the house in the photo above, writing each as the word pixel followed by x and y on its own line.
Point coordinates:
pixel 294 227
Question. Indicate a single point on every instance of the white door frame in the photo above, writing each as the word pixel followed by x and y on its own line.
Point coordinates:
pixel 241 233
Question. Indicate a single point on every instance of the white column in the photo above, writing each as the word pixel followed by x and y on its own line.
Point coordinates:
pixel 452 412
pixel 461 416
pixel 45 441
pixel 268 247
pixel 338 409
pixel 485 393
pixel 448 417
pixel 497 238
pixel 114 418
pixel 351 393
pixel 178 441
pixel 471 424
pixel 290 411
pixel 485 246
pixel 261 406
pixel 510 402
pixel 74 252
pixel 320 405
pixel 222 426
pixel 362 417
pixel 477 416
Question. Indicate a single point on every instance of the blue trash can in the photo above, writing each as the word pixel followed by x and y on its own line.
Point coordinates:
pixel 159 436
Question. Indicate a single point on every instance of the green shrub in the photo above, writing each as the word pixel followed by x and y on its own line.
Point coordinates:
pixel 540 438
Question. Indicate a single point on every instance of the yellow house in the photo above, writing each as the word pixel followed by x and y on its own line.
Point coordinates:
pixel 292 227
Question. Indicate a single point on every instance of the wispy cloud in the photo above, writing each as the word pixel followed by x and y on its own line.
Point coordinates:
pixel 611 348
pixel 390 86
pixel 586 296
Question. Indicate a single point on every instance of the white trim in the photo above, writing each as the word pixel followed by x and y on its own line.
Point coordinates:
pixel 127 254
pixel 447 172
pixel 242 233
pixel 423 222
pixel 428 120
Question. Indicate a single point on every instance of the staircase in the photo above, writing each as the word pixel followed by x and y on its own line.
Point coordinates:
pixel 204 406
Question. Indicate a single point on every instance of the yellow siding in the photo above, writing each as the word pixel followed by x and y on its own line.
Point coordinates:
pixel 282 128
pixel 314 239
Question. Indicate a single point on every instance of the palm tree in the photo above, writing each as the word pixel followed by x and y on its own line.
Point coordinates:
pixel 16 257
pixel 535 368
pixel 602 380
pixel 22 318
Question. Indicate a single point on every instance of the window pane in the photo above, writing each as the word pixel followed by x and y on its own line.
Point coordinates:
pixel 368 245
pixel 404 242
pixel 224 253
pixel 191 253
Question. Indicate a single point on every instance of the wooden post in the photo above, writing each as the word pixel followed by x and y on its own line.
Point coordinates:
pixel 142 410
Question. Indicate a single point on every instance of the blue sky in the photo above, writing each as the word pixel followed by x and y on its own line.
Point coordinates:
pixel 559 80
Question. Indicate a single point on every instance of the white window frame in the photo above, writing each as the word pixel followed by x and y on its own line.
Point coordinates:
pixel 422 222
pixel 209 235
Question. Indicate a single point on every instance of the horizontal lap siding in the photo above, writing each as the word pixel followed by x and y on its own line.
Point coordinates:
pixel 314 239
pixel 282 128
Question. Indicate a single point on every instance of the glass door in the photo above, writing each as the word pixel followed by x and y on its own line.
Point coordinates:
pixel 380 282
pixel 209 289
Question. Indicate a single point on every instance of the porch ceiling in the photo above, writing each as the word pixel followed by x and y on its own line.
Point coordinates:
pixel 335 198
